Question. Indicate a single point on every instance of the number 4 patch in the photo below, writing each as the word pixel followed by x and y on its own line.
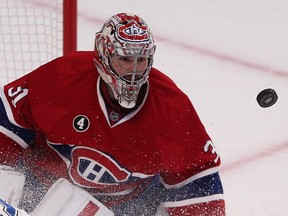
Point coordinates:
pixel 81 123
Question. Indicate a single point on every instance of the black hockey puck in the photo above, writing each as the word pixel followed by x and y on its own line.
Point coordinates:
pixel 267 97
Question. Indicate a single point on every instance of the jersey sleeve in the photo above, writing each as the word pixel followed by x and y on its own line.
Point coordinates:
pixel 16 132
pixel 191 177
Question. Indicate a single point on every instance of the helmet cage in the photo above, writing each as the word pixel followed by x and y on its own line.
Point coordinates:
pixel 128 85
pixel 111 43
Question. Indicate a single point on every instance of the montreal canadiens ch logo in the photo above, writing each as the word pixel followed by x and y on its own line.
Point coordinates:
pixel 92 168
pixel 131 31
pixel 81 123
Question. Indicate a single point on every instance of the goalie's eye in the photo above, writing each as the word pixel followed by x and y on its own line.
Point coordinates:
pixel 129 64
pixel 125 59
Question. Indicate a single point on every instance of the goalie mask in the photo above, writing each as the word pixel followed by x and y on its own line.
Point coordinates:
pixel 125 48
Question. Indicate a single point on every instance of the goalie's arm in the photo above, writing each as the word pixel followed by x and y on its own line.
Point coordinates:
pixel 15 134
pixel 201 196
pixel 9 151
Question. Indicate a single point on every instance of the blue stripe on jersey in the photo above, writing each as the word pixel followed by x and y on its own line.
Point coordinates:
pixel 25 134
pixel 205 186
pixel 154 194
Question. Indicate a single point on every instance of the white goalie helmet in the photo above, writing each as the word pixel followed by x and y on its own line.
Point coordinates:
pixel 125 49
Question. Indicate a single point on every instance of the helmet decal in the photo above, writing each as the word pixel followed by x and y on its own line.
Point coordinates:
pixel 132 32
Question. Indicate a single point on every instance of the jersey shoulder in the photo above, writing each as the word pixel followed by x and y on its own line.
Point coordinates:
pixel 165 89
pixel 76 63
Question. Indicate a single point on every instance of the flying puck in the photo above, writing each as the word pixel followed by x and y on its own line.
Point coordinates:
pixel 267 97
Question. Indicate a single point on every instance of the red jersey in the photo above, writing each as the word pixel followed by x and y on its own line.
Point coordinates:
pixel 59 111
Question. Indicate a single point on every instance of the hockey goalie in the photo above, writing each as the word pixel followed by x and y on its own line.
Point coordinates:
pixel 103 132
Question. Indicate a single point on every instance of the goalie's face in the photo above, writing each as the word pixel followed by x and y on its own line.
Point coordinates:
pixel 130 69
pixel 130 73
